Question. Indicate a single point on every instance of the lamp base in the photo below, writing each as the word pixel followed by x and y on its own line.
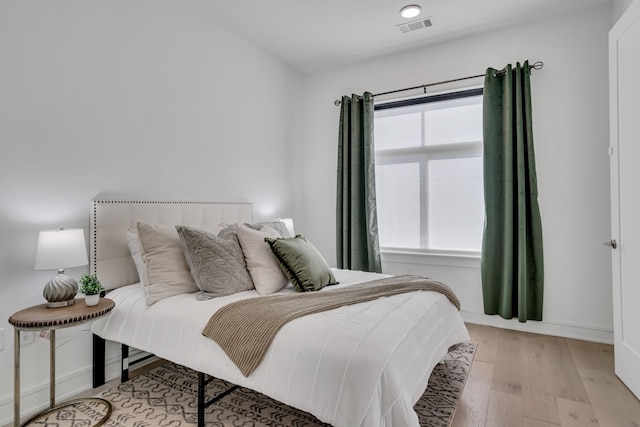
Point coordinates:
pixel 60 291
pixel 61 303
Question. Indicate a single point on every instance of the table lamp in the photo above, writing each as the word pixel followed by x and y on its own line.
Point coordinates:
pixel 57 250
pixel 289 223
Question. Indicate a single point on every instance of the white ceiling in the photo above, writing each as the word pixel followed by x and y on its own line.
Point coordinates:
pixel 312 35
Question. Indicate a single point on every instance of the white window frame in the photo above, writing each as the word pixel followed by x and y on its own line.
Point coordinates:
pixel 423 154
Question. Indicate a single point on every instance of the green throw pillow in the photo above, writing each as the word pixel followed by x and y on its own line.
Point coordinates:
pixel 302 263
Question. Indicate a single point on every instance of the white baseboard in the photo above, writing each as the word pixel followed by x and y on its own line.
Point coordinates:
pixel 558 329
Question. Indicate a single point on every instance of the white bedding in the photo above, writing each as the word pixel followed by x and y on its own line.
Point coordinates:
pixel 360 365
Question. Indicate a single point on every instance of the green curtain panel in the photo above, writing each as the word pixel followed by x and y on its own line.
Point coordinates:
pixel 357 243
pixel 512 265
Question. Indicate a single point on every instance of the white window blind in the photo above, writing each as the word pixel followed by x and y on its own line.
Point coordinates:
pixel 429 172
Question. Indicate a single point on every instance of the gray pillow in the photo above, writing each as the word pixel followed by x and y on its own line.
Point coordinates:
pixel 302 263
pixel 216 262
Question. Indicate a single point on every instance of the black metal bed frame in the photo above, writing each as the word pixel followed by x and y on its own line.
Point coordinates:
pixel 99 364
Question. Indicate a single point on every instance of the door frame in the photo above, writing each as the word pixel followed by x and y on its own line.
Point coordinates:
pixel 625 357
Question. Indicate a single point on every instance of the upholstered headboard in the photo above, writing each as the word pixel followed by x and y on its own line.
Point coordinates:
pixel 110 257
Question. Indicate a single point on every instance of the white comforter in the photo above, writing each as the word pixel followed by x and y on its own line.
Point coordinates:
pixel 360 365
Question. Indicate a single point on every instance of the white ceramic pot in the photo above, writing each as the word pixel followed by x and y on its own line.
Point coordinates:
pixel 91 300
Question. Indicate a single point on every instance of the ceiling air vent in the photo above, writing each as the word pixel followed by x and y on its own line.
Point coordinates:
pixel 416 25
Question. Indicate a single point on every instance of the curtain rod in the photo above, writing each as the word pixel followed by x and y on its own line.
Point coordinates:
pixel 535 66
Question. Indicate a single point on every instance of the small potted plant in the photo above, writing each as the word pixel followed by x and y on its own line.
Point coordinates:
pixel 91 287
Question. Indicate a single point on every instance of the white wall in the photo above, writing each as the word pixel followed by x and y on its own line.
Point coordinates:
pixel 142 100
pixel 619 7
pixel 570 114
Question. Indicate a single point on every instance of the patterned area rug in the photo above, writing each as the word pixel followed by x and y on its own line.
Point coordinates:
pixel 166 396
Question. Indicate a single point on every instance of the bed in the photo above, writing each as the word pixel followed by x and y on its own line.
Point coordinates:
pixel 364 364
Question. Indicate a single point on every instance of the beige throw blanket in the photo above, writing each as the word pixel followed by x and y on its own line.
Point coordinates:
pixel 244 329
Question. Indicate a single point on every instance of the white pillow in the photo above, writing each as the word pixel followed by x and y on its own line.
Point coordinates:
pixel 165 271
pixel 265 272
pixel 136 253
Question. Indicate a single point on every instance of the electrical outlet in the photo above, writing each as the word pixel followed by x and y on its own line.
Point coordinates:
pixel 27 337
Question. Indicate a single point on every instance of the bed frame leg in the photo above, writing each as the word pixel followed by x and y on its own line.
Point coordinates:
pixel 124 363
pixel 98 361
pixel 201 397
pixel 202 402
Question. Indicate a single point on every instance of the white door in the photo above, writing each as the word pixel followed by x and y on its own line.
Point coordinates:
pixel 624 75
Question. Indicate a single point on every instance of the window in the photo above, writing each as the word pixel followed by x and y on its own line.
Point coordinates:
pixel 429 172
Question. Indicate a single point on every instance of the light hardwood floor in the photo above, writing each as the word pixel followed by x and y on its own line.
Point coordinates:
pixel 520 379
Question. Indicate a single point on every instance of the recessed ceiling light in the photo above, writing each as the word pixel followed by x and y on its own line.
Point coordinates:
pixel 410 11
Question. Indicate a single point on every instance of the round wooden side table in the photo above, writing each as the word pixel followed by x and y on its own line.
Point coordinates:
pixel 38 318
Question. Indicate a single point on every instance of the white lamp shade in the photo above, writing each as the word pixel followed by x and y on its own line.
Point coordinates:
pixel 289 223
pixel 61 249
